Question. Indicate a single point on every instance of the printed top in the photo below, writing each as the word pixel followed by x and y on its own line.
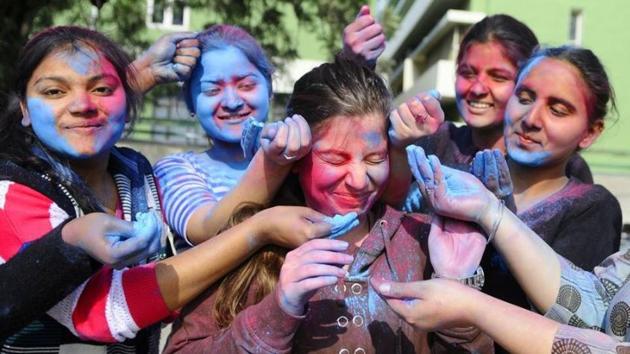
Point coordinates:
pixel 189 180
pixel 594 302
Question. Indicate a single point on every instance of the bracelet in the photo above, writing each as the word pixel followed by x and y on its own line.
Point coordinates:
pixel 497 222
pixel 474 281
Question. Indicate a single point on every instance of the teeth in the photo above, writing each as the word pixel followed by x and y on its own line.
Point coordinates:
pixel 477 104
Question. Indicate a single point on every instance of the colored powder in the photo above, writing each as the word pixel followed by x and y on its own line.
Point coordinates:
pixel 341 224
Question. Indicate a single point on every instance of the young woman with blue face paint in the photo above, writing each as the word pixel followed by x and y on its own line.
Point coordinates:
pixel 72 98
pixel 304 304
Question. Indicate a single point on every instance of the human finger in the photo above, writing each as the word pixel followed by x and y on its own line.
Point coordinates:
pixel 279 142
pixel 438 176
pixel 321 244
pixel 324 256
pixel 177 37
pixel 476 169
pixel 373 31
pixel 313 270
pixel 188 43
pixel 185 60
pixel 399 290
pixel 293 138
pixel 504 171
pixel 305 131
pixel 364 10
pixel 417 110
pixel 193 52
pixel 491 171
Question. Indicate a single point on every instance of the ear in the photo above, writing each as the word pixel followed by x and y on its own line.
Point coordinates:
pixel 594 131
pixel 26 118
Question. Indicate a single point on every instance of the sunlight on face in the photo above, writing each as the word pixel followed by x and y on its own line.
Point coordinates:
pixel 348 166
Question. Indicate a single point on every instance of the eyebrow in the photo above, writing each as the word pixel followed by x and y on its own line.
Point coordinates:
pixel 63 79
pixel 238 77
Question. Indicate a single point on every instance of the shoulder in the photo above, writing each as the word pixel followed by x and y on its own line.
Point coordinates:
pixel 183 161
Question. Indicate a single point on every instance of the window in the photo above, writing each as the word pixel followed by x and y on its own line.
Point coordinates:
pixel 168 14
pixel 575 27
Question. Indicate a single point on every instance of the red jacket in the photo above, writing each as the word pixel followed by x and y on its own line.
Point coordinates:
pixel 345 318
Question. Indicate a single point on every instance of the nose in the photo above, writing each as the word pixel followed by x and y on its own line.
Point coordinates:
pixel 479 87
pixel 232 102
pixel 82 104
pixel 532 118
pixel 357 178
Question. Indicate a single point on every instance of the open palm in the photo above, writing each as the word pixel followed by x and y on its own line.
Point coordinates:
pixel 455 247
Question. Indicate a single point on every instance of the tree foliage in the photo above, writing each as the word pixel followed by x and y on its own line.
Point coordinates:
pixel 125 22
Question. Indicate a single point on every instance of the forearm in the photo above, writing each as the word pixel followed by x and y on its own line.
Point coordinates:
pixel 258 185
pixel 533 263
pixel 514 328
pixel 399 178
pixel 183 277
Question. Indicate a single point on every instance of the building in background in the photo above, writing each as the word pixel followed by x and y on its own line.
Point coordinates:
pixel 421 52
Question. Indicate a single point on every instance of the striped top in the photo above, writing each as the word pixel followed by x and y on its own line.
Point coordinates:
pixel 189 180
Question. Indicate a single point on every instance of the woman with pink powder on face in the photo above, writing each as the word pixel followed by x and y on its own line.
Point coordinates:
pixel 317 299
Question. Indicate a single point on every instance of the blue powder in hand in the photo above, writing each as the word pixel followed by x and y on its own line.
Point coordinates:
pixel 250 141
pixel 341 224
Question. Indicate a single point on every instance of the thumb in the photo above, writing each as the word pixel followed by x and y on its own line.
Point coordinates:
pixel 178 36
pixel 364 10
pixel 399 290
pixel 432 105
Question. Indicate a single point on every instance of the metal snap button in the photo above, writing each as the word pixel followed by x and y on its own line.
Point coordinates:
pixel 344 351
pixel 344 288
pixel 356 288
pixel 357 320
pixel 342 321
pixel 359 350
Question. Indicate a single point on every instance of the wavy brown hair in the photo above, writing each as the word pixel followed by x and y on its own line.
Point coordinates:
pixel 261 270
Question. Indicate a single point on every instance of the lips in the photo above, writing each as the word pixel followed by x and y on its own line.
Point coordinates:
pixel 234 118
pixel 86 126
pixel 351 201
pixel 525 139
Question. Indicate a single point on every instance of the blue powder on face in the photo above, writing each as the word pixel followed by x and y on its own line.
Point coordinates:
pixel 341 224
pixel 45 127
pixel 82 60
pixel 373 139
pixel 527 158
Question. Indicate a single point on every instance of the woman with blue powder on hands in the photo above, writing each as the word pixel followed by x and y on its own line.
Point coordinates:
pixel 317 298
pixel 578 305
pixel 560 101
pixel 75 92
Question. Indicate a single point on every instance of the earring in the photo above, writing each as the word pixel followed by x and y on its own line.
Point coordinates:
pixel 192 114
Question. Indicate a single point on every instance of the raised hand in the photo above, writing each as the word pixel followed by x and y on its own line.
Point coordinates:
pixel 113 241
pixel 413 201
pixel 450 192
pixel 363 39
pixel 287 141
pixel 419 116
pixel 492 169
pixel 315 264
pixel 455 247
pixel 171 58
pixel 291 226
pixel 430 304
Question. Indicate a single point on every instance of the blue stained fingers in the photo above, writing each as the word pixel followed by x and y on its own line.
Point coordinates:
pixel 341 224
pixel 250 141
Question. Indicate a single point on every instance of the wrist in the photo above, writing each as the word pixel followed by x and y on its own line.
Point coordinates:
pixel 69 234
pixel 144 78
pixel 476 280
pixel 489 214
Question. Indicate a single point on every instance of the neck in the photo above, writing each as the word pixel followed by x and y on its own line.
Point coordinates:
pixel 489 138
pixel 94 173
pixel 533 184
pixel 357 235
pixel 225 151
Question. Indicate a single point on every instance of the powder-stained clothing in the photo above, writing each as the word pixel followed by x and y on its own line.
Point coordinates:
pixel 112 305
pixel 189 180
pixel 55 269
pixel 347 317
pixel 581 222
pixel 597 300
